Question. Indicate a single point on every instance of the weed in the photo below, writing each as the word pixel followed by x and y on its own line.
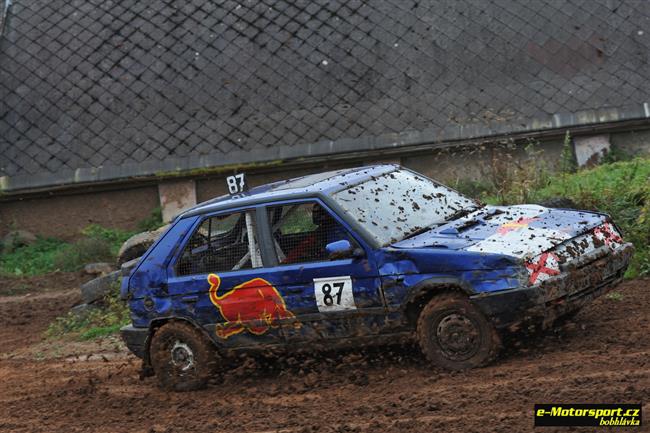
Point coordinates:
pixel 511 180
pixel 106 319
pixel 152 222
pixel 34 259
pixel 568 162
pixel 81 252
pixel 113 237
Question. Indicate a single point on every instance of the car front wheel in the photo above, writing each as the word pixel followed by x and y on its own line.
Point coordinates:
pixel 455 335
pixel 183 359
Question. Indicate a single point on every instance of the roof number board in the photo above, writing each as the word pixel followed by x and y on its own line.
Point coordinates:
pixel 236 183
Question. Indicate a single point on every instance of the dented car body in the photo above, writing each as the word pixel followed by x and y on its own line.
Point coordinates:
pixel 355 256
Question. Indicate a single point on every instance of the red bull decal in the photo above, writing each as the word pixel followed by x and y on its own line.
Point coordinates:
pixel 254 306
pixel 519 224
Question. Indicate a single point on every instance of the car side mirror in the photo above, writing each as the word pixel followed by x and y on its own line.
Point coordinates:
pixel 343 250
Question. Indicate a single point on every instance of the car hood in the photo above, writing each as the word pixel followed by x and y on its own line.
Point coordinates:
pixel 522 231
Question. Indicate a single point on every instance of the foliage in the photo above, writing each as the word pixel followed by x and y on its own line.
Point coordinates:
pixel 113 237
pixel 568 163
pixel 74 256
pixel 509 179
pixel 106 319
pixel 34 259
pixel 152 222
pixel 98 244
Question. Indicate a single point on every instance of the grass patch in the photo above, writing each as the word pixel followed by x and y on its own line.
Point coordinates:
pixel 109 316
pixel 101 331
pixel 98 244
pixel 153 222
pixel 73 257
pixel 34 259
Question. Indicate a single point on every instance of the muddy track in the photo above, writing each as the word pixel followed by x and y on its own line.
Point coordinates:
pixel 602 356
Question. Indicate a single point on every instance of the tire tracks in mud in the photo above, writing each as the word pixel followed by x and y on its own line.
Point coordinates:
pixel 602 357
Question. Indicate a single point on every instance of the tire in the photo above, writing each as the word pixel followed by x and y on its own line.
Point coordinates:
pixel 183 359
pixel 455 335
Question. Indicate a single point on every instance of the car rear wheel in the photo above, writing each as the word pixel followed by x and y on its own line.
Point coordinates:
pixel 183 359
pixel 455 335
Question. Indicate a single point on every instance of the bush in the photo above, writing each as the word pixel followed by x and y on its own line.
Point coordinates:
pixel 34 259
pixel 153 222
pixel 113 237
pixel 110 315
pixel 86 250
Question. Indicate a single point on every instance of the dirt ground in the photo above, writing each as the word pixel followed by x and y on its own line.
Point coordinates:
pixel 45 386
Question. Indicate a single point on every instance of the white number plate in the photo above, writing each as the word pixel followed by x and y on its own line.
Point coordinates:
pixel 334 294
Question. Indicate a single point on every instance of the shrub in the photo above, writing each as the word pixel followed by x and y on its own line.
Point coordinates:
pixel 86 250
pixel 34 259
pixel 152 222
pixel 113 237
pixel 110 315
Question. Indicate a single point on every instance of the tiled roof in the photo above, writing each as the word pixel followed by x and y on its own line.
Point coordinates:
pixel 133 87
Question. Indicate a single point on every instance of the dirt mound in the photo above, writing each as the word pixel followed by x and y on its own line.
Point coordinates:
pixel 602 356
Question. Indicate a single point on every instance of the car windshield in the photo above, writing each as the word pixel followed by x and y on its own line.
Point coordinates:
pixel 401 203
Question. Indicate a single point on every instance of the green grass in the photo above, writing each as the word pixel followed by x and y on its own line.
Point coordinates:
pixel 101 331
pixel 98 244
pixel 107 319
pixel 34 259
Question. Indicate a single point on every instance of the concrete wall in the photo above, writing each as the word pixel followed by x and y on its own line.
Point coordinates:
pixel 64 215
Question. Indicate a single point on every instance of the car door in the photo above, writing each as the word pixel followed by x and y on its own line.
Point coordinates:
pixel 218 281
pixel 329 297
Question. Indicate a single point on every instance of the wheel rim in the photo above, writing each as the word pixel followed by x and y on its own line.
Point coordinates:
pixel 458 337
pixel 182 356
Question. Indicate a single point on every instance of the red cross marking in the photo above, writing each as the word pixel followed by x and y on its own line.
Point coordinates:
pixel 541 268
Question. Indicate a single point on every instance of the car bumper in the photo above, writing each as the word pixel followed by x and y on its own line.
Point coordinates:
pixel 135 339
pixel 557 296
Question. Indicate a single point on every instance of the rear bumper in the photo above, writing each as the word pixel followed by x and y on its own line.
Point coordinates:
pixel 556 296
pixel 135 339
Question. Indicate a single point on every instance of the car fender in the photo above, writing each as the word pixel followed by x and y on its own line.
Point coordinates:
pixel 429 287
pixel 160 321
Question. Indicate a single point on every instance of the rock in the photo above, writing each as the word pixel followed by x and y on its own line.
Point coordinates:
pixel 127 267
pixel 95 290
pixel 17 238
pixel 100 268
pixel 138 244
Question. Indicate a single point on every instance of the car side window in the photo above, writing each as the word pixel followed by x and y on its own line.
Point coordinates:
pixel 221 243
pixel 301 231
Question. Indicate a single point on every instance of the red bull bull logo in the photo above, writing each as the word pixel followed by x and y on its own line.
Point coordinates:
pixel 254 306
pixel 521 223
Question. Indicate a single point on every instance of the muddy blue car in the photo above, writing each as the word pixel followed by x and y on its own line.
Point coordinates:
pixel 359 256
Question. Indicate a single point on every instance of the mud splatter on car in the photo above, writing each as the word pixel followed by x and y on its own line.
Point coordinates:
pixel 359 257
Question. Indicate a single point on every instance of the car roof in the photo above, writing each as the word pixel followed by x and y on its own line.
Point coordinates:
pixel 312 185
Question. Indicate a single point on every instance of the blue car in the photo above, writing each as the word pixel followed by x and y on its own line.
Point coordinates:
pixel 359 256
